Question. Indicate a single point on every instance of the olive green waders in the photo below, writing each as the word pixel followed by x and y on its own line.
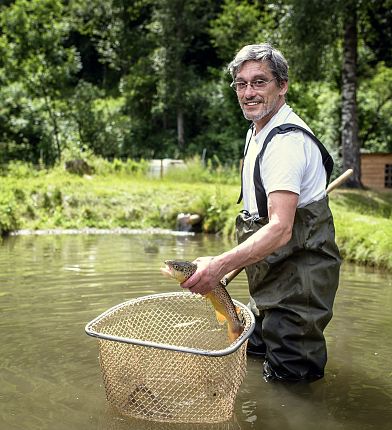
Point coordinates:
pixel 292 293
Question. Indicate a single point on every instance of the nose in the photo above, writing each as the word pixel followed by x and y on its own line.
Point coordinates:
pixel 249 91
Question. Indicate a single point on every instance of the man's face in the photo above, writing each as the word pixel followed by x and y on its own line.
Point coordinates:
pixel 259 105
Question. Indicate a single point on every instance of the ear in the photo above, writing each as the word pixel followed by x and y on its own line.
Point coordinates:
pixel 284 86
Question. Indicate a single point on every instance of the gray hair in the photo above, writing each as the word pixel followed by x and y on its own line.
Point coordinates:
pixel 263 53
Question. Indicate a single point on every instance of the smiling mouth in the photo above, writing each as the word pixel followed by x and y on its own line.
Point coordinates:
pixel 252 103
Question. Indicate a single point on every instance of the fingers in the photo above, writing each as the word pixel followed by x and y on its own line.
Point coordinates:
pixel 199 289
pixel 192 281
pixel 202 281
pixel 196 285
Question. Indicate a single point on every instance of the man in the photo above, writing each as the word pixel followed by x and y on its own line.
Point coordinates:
pixel 285 232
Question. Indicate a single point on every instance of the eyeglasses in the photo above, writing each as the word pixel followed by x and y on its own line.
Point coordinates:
pixel 258 84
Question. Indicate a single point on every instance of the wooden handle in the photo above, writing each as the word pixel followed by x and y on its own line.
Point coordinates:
pixel 230 276
pixel 334 184
pixel 339 180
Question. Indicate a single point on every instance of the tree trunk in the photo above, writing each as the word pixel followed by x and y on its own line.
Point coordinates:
pixel 52 117
pixel 350 141
pixel 179 52
pixel 180 129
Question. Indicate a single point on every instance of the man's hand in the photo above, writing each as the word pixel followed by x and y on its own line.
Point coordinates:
pixel 206 277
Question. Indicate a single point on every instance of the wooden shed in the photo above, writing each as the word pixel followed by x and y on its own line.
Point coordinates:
pixel 376 170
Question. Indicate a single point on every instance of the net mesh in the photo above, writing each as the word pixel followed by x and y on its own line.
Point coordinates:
pixel 162 384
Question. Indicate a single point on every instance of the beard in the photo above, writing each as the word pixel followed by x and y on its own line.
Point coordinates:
pixel 266 109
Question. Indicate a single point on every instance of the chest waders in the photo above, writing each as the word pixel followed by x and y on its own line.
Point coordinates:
pixel 292 290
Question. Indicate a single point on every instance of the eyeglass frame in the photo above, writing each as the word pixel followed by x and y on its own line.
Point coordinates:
pixel 251 83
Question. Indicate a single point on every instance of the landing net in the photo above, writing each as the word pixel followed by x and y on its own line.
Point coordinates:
pixel 165 357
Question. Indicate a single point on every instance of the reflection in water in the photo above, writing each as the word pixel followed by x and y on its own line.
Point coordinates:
pixel 50 286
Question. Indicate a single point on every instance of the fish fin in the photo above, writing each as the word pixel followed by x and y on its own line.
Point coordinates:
pixel 235 332
pixel 220 317
pixel 238 310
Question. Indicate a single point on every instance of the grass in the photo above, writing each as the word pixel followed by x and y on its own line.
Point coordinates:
pixel 122 195
pixel 57 199
pixel 363 221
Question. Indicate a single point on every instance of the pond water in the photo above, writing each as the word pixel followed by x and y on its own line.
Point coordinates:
pixel 51 286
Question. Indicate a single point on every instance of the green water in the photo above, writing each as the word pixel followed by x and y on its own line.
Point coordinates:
pixel 51 286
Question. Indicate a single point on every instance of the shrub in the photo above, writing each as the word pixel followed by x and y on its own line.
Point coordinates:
pixel 8 217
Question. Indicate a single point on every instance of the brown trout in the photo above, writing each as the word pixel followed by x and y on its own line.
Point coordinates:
pixel 219 297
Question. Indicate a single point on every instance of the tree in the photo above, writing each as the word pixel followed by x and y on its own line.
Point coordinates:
pixel 375 99
pixel 34 54
pixel 314 50
pixel 147 78
pixel 159 50
pixel 113 32
pixel 241 23
pixel 178 30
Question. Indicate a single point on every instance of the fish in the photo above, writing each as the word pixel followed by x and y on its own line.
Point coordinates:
pixel 219 297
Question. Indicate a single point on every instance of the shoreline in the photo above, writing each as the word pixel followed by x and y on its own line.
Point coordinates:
pixel 100 231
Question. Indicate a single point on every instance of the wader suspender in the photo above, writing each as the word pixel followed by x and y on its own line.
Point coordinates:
pixel 261 197
pixel 252 128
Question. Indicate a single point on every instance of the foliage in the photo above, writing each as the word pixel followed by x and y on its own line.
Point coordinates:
pixel 146 79
pixel 8 221
pixel 101 125
pixel 240 23
pixel 119 167
pixel 212 172
pixel 35 56
pixel 375 100
pixel 18 169
pixel 221 135
pixel 307 53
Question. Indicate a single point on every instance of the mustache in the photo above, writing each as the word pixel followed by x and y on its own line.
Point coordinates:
pixel 254 99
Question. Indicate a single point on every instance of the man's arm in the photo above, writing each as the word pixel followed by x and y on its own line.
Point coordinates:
pixel 281 211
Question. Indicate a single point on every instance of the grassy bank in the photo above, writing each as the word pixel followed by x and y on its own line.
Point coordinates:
pixel 363 221
pixel 125 197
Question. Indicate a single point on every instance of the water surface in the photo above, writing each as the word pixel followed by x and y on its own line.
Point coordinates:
pixel 51 286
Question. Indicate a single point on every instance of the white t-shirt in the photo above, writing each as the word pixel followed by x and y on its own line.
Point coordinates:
pixel 291 162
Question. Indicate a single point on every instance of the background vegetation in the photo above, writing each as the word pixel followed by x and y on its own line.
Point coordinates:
pixel 146 78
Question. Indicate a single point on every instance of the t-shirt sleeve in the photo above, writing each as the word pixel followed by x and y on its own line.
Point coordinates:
pixel 283 164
